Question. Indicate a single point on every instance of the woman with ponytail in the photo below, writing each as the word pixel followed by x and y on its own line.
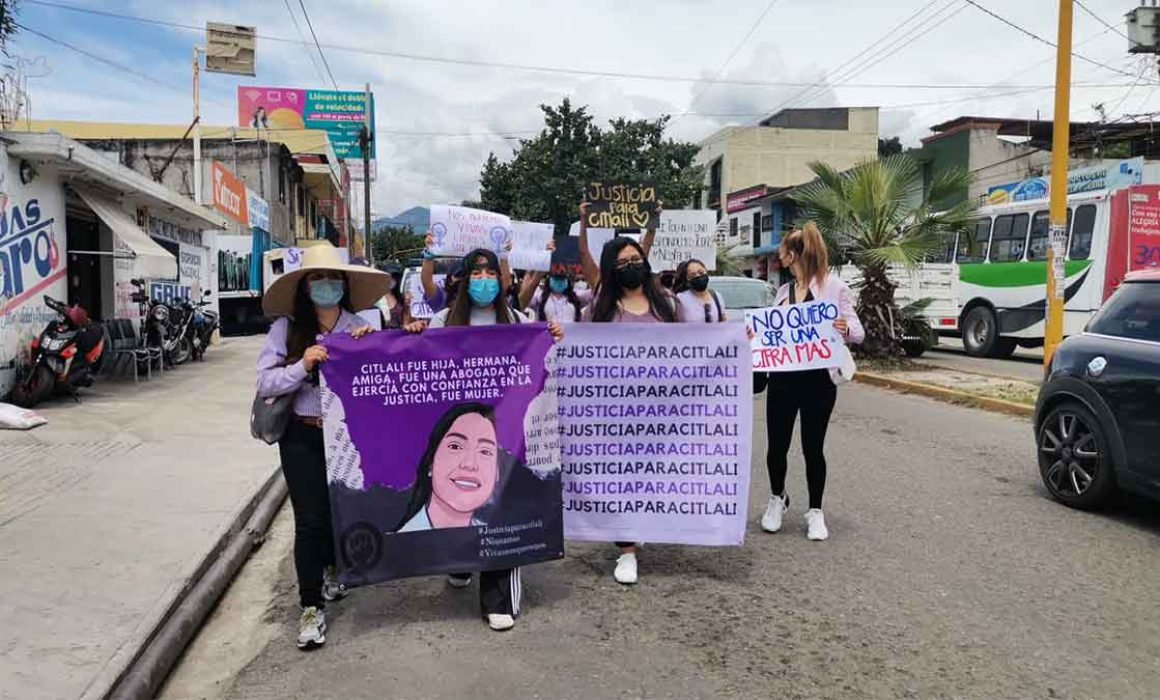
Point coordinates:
pixel 810 392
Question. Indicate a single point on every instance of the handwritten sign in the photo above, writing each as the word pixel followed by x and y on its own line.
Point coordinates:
pixel 459 230
pixel 530 246
pixel 796 337
pixel 621 205
pixel 684 235
pixel 597 237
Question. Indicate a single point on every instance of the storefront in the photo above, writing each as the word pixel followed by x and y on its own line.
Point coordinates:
pixel 79 227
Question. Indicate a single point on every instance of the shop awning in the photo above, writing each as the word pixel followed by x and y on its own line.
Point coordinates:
pixel 150 260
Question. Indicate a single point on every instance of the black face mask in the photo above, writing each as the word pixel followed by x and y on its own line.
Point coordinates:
pixel 699 284
pixel 632 276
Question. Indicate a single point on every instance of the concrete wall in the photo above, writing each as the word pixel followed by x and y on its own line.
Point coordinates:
pixel 997 162
pixel 780 157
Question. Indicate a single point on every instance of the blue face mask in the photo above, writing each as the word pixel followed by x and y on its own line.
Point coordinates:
pixel 559 285
pixel 326 294
pixel 483 291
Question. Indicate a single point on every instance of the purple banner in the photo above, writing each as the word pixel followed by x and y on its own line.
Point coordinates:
pixel 442 451
pixel 655 430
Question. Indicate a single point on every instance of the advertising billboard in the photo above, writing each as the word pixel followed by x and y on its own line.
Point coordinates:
pixel 339 113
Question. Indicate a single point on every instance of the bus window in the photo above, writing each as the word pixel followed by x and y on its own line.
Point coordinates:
pixel 980 232
pixel 1041 235
pixel 946 250
pixel 1081 233
pixel 1009 238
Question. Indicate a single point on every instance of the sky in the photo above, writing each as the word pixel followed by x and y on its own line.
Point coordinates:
pixel 722 63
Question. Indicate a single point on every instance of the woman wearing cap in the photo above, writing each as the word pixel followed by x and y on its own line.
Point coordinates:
pixel 480 303
pixel 317 299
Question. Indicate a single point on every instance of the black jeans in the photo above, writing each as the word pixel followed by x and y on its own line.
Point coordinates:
pixel 500 591
pixel 304 466
pixel 811 393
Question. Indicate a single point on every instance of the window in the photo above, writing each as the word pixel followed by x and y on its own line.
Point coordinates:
pixel 980 236
pixel 1041 235
pixel 757 230
pixel 767 223
pixel 1081 232
pixel 1132 312
pixel 733 227
pixel 946 253
pixel 1009 238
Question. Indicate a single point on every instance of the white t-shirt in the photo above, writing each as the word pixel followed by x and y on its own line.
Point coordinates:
pixel 479 317
pixel 558 307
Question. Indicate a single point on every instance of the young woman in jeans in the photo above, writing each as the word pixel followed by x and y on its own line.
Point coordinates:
pixel 627 291
pixel 318 299
pixel 481 303
pixel 810 392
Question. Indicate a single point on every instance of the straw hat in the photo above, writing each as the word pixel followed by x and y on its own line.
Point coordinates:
pixel 366 285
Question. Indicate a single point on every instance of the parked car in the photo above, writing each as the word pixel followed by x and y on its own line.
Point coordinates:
pixel 741 294
pixel 1098 413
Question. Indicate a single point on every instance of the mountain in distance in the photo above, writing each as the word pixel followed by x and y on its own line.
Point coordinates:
pixel 418 218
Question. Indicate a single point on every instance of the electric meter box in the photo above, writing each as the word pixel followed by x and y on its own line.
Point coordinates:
pixel 1143 23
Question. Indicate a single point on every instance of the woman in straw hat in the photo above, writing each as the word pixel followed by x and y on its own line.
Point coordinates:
pixel 319 298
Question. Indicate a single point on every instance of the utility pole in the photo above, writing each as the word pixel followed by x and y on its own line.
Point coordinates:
pixel 365 142
pixel 1060 152
pixel 197 196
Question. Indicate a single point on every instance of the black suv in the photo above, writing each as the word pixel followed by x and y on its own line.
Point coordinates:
pixel 1097 421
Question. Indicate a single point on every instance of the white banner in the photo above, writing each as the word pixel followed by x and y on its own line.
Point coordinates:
pixel 684 235
pixel 530 246
pixel 459 230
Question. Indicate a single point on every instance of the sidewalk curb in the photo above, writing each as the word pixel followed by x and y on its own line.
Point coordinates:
pixel 989 375
pixel 942 394
pixel 158 651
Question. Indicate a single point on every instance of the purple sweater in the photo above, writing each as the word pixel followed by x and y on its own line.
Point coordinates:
pixel 276 378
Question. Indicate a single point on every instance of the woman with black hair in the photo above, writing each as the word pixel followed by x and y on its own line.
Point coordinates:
pixel 481 303
pixel 318 299
pixel 396 311
pixel 696 302
pixel 557 298
pixel 627 291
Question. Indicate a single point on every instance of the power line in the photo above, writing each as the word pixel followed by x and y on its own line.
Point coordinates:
pixel 1099 19
pixel 305 44
pixel 514 66
pixel 310 25
pixel 732 55
pixel 1041 40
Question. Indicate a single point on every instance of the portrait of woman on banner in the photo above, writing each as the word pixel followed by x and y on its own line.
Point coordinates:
pixel 459 472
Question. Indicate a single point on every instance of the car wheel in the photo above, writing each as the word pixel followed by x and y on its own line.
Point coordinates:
pixel 980 331
pixel 1074 461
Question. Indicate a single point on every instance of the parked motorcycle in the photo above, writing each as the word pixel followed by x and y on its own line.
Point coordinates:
pixel 65 356
pixel 154 320
pixel 205 322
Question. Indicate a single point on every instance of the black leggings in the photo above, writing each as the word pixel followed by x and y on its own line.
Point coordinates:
pixel 304 466
pixel 813 394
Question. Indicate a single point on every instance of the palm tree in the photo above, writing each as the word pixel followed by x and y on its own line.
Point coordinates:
pixel 877 215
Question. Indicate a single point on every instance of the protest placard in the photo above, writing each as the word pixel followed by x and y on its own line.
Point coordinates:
pixel 566 257
pixel 442 451
pixel 655 429
pixel 420 309
pixel 796 337
pixel 459 230
pixel 621 205
pixel 684 235
pixel 597 237
pixel 530 246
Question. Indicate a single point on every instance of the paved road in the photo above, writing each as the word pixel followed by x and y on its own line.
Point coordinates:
pixel 949 575
pixel 1025 364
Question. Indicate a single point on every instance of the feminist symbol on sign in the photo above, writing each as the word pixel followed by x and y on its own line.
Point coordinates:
pixel 499 236
pixel 439 231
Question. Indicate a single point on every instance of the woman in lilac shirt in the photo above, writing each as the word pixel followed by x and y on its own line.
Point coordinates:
pixel 318 299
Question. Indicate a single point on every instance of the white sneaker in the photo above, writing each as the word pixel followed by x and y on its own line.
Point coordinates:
pixel 458 581
pixel 311 629
pixel 501 623
pixel 625 569
pixel 816 525
pixel 778 505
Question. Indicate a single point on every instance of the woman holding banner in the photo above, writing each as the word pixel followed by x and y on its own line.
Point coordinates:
pixel 697 302
pixel 481 303
pixel 627 291
pixel 810 392
pixel 317 299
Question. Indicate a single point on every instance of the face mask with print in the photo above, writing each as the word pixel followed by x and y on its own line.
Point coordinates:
pixel 483 291
pixel 326 294
pixel 559 285
pixel 632 276
pixel 699 284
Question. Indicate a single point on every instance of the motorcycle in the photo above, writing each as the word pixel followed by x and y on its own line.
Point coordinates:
pixel 65 356
pixel 205 322
pixel 155 321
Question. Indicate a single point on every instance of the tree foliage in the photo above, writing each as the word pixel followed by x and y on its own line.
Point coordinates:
pixel 8 10
pixel 396 243
pixel 878 215
pixel 889 147
pixel 546 177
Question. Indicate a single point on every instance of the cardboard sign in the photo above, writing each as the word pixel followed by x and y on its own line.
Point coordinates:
pixel 459 230
pixel 684 235
pixel 530 246
pixel 621 205
pixel 796 337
